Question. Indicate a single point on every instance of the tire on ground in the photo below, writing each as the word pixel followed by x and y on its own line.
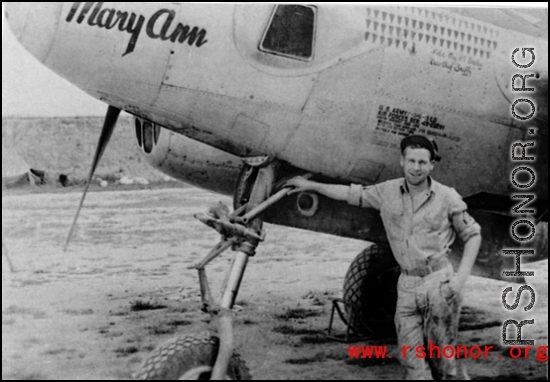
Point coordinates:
pixel 193 355
pixel 370 292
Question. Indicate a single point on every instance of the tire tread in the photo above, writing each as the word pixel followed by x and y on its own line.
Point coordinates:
pixel 370 292
pixel 165 362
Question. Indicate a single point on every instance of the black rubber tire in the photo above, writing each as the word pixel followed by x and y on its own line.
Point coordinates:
pixel 370 292
pixel 181 355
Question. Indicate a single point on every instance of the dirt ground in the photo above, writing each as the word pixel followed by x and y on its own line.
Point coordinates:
pixel 88 313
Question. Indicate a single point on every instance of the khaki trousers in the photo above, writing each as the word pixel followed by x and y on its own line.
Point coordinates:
pixel 427 313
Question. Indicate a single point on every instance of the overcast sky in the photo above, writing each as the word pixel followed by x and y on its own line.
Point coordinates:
pixel 30 89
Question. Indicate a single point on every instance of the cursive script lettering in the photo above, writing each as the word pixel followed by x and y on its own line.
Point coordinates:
pixel 157 27
pixel 452 67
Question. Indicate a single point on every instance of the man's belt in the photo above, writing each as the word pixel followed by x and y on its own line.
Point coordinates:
pixel 425 271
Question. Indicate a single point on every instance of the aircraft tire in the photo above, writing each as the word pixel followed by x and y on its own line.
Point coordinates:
pixel 370 292
pixel 189 357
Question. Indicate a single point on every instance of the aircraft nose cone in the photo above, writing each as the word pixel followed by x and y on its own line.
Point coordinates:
pixel 34 25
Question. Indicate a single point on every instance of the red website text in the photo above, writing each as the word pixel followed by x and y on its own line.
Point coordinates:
pixel 459 351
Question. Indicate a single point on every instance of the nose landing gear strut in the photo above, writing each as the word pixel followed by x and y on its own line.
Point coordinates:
pixel 242 231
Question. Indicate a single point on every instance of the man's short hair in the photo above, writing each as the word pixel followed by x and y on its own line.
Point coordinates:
pixel 420 142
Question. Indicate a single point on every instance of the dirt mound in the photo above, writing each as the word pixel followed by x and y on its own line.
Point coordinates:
pixel 67 146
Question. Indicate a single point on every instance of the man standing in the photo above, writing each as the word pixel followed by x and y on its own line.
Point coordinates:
pixel 422 218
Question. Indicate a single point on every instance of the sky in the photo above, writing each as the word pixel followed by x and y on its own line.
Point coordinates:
pixel 31 90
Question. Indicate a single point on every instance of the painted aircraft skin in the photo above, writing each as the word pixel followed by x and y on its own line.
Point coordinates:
pixel 374 75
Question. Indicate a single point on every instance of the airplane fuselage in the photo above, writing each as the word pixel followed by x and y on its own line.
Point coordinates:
pixel 374 75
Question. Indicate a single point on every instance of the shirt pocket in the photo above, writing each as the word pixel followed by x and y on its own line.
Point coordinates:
pixel 430 231
pixel 434 222
pixel 393 223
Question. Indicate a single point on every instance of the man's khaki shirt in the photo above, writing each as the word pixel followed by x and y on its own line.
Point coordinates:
pixel 421 235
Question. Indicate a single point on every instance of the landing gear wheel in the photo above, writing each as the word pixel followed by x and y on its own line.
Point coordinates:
pixel 370 292
pixel 190 357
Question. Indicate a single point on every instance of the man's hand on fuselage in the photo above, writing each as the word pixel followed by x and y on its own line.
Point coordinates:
pixel 333 191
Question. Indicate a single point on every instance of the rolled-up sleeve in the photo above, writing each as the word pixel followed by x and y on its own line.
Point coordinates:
pixel 364 196
pixel 465 225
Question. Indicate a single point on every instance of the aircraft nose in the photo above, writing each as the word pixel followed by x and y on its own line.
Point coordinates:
pixel 34 25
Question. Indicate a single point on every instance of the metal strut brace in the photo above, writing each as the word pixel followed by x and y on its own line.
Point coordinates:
pixel 243 234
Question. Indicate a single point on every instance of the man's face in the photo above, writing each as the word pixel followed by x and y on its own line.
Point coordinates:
pixel 417 165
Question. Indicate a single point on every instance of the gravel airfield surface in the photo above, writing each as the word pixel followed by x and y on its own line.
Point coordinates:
pixel 124 287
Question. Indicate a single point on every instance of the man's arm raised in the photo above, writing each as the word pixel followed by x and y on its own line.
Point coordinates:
pixel 333 191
